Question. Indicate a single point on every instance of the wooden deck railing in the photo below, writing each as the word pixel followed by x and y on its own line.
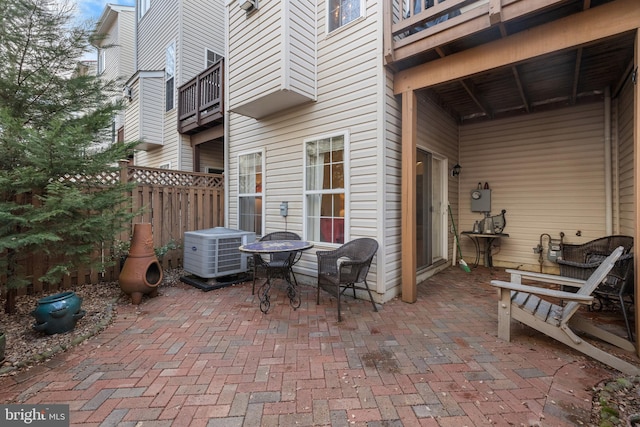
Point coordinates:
pixel 410 28
pixel 200 100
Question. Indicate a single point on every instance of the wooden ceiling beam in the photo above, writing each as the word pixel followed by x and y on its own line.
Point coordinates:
pixel 436 99
pixel 570 32
pixel 516 76
pixel 576 76
pixel 521 91
pixel 623 80
pixel 471 89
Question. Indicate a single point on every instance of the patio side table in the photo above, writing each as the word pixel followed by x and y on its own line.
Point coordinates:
pixel 276 246
pixel 487 240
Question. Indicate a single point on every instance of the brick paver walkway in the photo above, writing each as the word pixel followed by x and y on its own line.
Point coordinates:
pixel 197 358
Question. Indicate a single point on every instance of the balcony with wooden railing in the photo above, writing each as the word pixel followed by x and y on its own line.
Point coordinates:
pixel 418 31
pixel 200 100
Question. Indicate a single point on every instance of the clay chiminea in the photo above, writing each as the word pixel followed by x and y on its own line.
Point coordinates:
pixel 142 272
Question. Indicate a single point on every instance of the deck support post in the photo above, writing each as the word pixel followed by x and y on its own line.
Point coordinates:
pixel 408 210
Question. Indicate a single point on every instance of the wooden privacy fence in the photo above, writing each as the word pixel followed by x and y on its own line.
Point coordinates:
pixel 172 201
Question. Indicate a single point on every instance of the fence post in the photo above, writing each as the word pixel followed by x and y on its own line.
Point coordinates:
pixel 124 164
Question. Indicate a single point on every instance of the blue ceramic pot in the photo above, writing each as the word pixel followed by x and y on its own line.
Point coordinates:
pixel 57 313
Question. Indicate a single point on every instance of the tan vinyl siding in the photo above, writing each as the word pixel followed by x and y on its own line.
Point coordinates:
pixel 170 138
pixel 255 46
pixel 132 114
pixel 126 35
pixel 115 50
pixel 120 61
pixel 112 53
pixel 274 51
pixel 151 118
pixel 391 230
pixel 547 171
pixel 202 27
pixel 163 14
pixel 184 141
pixel 348 100
pixel 302 44
pixel 212 155
pixel 626 202
pixel 152 44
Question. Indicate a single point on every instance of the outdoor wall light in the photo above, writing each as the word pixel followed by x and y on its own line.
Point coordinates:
pixel 248 5
pixel 126 93
pixel 456 170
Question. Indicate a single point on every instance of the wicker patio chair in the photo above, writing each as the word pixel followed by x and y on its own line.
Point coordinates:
pixel 278 264
pixel 581 260
pixel 345 267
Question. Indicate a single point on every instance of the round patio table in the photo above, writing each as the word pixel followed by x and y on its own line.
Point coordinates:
pixel 269 247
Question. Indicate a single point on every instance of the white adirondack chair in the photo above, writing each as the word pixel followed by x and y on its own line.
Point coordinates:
pixel 524 303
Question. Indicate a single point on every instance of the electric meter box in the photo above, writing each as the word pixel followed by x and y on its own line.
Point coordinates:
pixel 481 201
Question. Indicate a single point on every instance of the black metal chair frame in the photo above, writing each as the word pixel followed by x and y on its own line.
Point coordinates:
pixel 618 290
pixel 279 265
pixel 345 267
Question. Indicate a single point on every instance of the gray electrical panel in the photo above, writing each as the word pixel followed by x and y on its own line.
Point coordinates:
pixel 481 201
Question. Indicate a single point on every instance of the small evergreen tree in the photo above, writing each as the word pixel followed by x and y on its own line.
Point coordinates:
pixel 54 199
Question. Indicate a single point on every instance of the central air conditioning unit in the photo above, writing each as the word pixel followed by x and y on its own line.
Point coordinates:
pixel 214 252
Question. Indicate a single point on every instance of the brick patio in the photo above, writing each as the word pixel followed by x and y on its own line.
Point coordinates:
pixel 198 358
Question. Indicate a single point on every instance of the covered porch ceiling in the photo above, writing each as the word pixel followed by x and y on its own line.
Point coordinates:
pixel 559 79
pixel 569 52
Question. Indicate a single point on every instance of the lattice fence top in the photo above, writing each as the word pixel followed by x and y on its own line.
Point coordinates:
pixel 173 178
pixel 151 176
pixel 104 178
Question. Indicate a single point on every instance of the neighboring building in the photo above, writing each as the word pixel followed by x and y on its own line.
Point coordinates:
pixel 115 46
pixel 355 112
pixel 179 54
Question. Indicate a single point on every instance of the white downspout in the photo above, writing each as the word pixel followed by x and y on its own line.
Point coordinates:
pixel 226 113
pixel 608 179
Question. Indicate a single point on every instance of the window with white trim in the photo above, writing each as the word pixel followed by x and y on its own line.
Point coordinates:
pixel 102 59
pixel 212 58
pixel 325 163
pixel 169 75
pixel 143 6
pixel 341 12
pixel 250 191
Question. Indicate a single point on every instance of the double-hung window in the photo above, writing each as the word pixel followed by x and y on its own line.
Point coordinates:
pixel 325 163
pixel 341 12
pixel 143 6
pixel 169 75
pixel 102 59
pixel 211 58
pixel 250 191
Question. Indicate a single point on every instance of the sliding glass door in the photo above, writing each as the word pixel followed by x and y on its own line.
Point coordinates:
pixel 431 208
